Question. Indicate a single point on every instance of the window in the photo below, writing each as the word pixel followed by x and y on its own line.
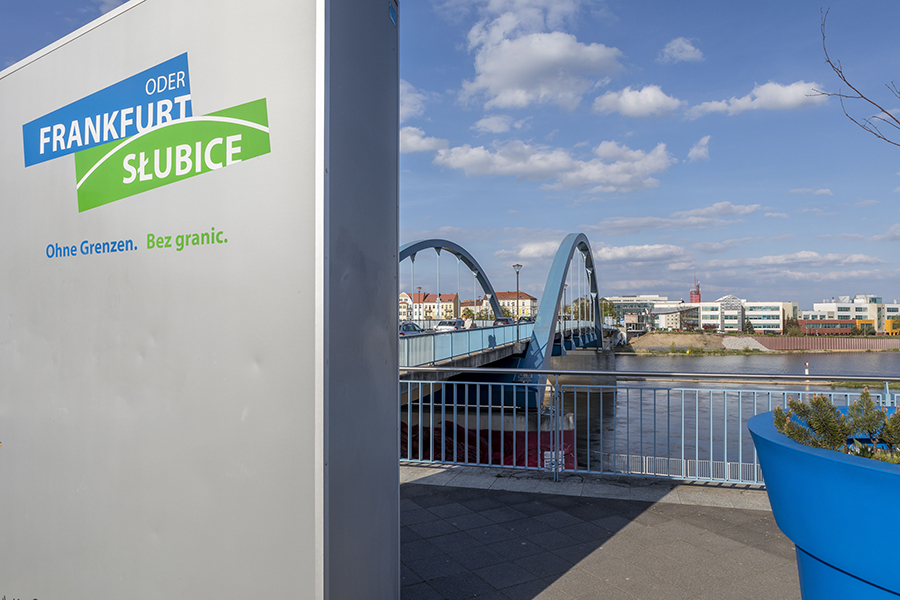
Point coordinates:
pixel 843 309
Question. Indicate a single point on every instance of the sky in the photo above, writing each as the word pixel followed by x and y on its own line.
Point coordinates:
pixel 685 139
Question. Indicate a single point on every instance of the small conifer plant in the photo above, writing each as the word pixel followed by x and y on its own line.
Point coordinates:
pixel 866 429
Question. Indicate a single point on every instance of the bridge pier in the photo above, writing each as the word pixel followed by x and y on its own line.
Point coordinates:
pixel 585 359
pixel 592 410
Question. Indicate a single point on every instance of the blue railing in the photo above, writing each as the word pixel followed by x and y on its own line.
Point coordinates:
pixel 430 347
pixel 651 428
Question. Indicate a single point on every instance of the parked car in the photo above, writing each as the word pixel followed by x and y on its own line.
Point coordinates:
pixel 504 321
pixel 450 325
pixel 526 319
pixel 409 329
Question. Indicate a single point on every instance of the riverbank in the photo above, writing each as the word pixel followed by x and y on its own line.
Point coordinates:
pixel 718 344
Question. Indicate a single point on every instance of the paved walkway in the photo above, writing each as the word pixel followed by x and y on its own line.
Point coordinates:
pixel 499 535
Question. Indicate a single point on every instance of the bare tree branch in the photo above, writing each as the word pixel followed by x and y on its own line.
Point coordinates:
pixel 870 124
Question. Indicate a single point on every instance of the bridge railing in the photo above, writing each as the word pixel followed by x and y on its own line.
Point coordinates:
pixel 650 428
pixel 431 348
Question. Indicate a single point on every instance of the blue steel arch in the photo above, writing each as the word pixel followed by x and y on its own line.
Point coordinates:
pixel 541 345
pixel 411 249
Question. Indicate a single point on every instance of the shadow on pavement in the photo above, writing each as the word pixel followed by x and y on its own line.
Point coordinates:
pixel 461 542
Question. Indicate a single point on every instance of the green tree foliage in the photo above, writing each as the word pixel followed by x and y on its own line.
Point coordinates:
pixel 792 328
pixel 748 326
pixel 866 429
pixel 485 314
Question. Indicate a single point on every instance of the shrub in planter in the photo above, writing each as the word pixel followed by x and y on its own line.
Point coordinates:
pixel 864 429
pixel 834 503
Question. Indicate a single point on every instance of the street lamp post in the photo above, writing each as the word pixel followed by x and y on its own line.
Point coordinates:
pixel 421 310
pixel 517 266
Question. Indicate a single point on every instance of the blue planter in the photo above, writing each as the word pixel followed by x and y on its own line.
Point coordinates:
pixel 841 512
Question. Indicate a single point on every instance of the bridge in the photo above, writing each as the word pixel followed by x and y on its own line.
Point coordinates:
pixel 568 314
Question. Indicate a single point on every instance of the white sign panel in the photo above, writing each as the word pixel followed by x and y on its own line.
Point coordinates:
pixel 188 405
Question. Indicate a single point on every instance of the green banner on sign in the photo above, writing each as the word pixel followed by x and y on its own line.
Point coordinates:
pixel 170 153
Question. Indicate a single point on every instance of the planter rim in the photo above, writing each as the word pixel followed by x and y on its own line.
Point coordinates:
pixel 763 425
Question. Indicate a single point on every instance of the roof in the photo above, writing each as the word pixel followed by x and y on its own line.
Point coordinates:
pixel 423 298
pixel 512 296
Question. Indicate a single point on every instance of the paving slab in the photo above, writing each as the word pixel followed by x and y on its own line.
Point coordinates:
pixel 480 532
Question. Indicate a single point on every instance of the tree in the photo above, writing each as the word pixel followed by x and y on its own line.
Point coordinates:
pixel 792 328
pixel 748 326
pixel 874 124
pixel 467 313
pixel 485 314
pixel 607 308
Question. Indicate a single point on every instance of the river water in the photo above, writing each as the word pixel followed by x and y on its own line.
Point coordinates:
pixel 700 426
pixel 833 363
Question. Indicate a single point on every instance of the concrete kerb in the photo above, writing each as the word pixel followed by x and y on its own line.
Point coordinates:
pixel 723 495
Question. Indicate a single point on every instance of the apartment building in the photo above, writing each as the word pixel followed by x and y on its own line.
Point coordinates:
pixel 527 304
pixel 425 307
pixel 861 309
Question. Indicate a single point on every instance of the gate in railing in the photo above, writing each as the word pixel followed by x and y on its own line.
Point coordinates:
pixel 697 433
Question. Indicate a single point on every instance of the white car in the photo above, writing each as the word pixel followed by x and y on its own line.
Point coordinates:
pixel 450 325
pixel 409 329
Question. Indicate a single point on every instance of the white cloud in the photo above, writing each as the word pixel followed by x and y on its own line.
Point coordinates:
pixel 494 124
pixel 768 96
pixel 412 101
pixel 412 139
pixel 534 68
pixel 531 250
pixel 865 275
pixel 616 168
pixel 719 209
pixel 516 158
pixel 773 215
pixel 803 257
pixel 700 151
pixel 501 124
pixel 700 218
pixel 819 192
pixel 678 50
pixel 535 15
pixel 638 254
pixel 713 247
pixel 646 102
pixel 633 285
pixel 892 234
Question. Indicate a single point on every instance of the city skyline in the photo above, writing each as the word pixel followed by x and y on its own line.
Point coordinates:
pixel 682 139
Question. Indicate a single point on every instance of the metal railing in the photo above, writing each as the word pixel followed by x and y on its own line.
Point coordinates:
pixel 430 348
pixel 650 428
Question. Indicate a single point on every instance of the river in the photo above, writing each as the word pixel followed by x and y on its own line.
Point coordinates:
pixel 837 364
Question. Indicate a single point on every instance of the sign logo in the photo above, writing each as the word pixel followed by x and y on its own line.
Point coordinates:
pixel 140 134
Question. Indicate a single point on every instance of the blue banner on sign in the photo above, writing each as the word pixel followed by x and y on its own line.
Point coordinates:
pixel 150 98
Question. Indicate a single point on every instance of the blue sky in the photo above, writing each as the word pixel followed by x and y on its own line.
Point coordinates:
pixel 680 137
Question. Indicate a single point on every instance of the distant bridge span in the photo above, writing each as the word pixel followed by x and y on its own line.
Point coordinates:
pixel 545 329
pixel 541 345
pixel 411 249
